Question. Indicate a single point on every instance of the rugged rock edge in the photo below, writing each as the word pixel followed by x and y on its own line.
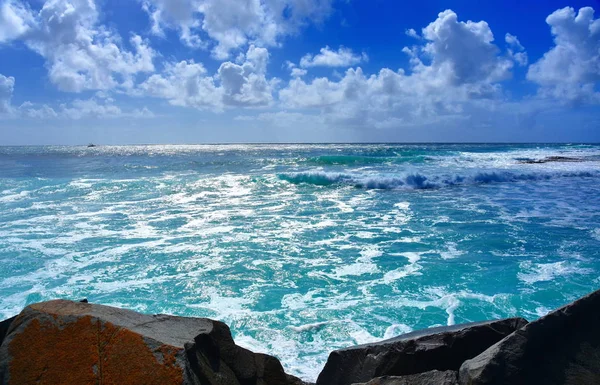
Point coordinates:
pixel 66 342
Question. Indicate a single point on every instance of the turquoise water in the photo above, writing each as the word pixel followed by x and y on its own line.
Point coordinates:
pixel 302 249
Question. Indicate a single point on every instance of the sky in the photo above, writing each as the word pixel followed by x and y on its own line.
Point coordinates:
pixel 215 71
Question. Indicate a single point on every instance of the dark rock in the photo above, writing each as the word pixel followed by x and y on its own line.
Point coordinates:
pixel 433 377
pixel 551 159
pixel 561 348
pixel 4 325
pixel 442 348
pixel 84 300
pixel 79 343
pixel 214 356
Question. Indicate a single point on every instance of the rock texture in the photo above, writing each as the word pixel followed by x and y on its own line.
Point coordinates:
pixel 561 348
pixel 433 377
pixel 443 348
pixel 4 325
pixel 65 342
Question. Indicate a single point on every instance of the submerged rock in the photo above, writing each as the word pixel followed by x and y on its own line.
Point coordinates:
pixel 561 348
pixel 433 377
pixel 442 348
pixel 65 342
pixel 551 159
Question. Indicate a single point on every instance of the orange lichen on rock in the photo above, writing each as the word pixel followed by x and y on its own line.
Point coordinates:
pixel 85 350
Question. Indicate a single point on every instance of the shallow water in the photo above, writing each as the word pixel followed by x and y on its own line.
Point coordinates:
pixel 302 249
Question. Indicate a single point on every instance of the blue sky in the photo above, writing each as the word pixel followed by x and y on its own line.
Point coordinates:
pixel 197 71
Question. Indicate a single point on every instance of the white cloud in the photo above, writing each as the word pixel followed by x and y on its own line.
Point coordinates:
pixel 516 50
pixel 514 42
pixel 184 84
pixel 7 85
pixel 188 84
pixel 99 106
pixel 456 70
pixel 412 33
pixel 463 52
pixel 343 57
pixel 30 110
pixel 297 72
pixel 15 20
pixel 233 23
pixel 570 70
pixel 80 54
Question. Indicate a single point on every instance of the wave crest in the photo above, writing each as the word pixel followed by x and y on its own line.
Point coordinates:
pixel 418 181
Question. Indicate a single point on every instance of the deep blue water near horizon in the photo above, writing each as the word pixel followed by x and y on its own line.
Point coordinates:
pixel 302 249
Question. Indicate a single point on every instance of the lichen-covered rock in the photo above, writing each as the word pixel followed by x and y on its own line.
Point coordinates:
pixel 442 348
pixel 433 377
pixel 65 342
pixel 561 348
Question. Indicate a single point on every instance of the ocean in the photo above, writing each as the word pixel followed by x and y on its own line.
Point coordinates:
pixel 302 249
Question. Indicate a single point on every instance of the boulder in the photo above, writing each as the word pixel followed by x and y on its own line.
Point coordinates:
pixel 65 342
pixel 433 377
pixel 562 347
pixel 441 348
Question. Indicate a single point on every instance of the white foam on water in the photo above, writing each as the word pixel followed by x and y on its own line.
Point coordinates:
pixel 14 197
pixel 451 251
pixel 308 327
pixel 298 301
pixel 402 205
pixel 361 336
pixel 439 299
pixel 408 240
pixel 358 268
pixel 596 234
pixel 413 268
pixel 541 311
pixel 395 330
pixel 226 307
pixel 532 273
pixel 363 265
pixel 365 234
pixel 400 273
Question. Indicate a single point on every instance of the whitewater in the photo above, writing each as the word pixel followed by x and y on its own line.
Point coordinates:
pixel 302 249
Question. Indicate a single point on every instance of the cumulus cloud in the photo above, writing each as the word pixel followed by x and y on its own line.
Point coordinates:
pixel 187 83
pixel 457 67
pixel 463 52
pixel 7 85
pixel 570 70
pixel 80 54
pixel 15 20
pixel 233 23
pixel 515 50
pixel 30 110
pixel 297 72
pixel 343 57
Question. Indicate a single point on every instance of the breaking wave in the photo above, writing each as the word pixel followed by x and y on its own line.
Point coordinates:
pixel 419 181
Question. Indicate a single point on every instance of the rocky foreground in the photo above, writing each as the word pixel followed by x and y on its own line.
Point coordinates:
pixel 66 342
